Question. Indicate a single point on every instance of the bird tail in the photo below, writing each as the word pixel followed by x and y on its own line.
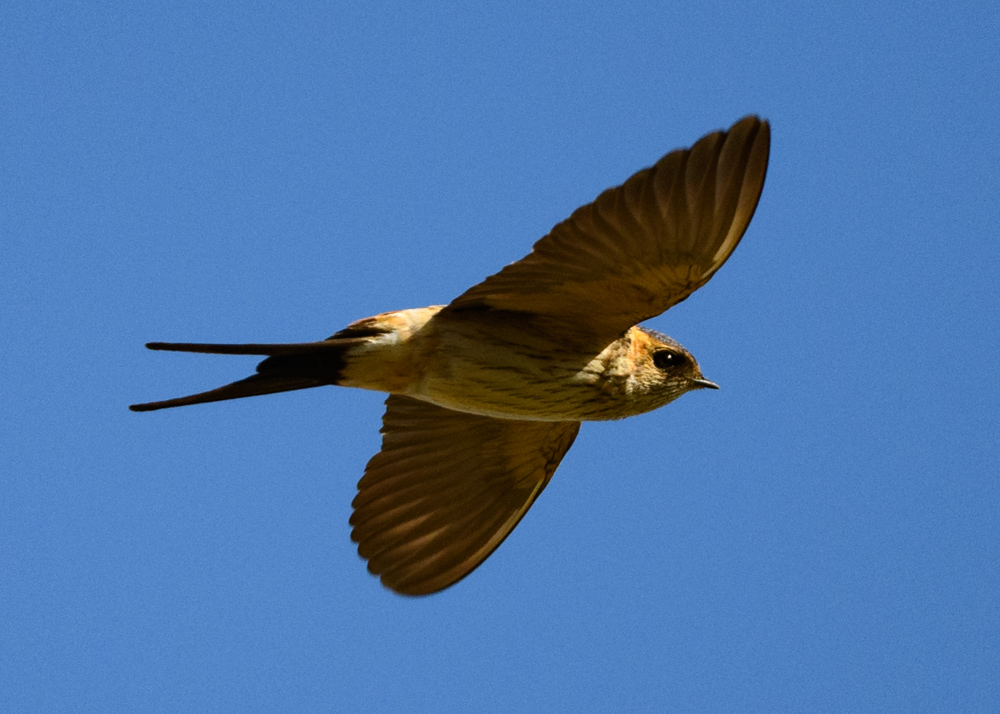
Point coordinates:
pixel 287 367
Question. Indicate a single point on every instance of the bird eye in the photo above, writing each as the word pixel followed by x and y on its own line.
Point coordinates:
pixel 667 360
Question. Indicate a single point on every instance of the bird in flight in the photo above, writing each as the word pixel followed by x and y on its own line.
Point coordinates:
pixel 487 393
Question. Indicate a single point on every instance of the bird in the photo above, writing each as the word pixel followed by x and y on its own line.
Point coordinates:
pixel 487 393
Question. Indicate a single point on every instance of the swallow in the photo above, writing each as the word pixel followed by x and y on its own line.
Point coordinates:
pixel 487 393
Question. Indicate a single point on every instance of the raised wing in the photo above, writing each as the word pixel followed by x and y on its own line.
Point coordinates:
pixel 643 246
pixel 446 489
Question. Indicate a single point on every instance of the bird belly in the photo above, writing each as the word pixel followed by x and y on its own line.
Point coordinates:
pixel 515 368
pixel 498 364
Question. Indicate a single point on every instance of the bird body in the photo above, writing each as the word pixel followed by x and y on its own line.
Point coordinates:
pixel 486 394
pixel 513 366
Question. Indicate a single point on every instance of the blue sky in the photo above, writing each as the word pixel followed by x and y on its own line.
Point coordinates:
pixel 820 535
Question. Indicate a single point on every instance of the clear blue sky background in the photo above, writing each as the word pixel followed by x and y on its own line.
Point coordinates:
pixel 821 535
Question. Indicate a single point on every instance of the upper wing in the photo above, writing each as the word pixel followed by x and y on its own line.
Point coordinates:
pixel 446 489
pixel 643 246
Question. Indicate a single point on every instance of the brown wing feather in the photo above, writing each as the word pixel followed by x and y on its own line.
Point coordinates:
pixel 446 489
pixel 643 246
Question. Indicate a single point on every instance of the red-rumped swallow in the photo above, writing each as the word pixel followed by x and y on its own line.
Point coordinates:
pixel 486 394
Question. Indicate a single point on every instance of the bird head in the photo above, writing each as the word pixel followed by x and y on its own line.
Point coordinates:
pixel 663 368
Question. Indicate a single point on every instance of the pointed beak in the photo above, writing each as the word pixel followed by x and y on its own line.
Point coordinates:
pixel 704 384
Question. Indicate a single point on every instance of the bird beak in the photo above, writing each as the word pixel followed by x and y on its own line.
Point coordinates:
pixel 704 384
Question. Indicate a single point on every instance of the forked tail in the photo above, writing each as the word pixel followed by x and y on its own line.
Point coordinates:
pixel 287 367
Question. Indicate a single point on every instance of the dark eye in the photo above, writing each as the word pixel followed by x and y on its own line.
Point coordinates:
pixel 668 360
